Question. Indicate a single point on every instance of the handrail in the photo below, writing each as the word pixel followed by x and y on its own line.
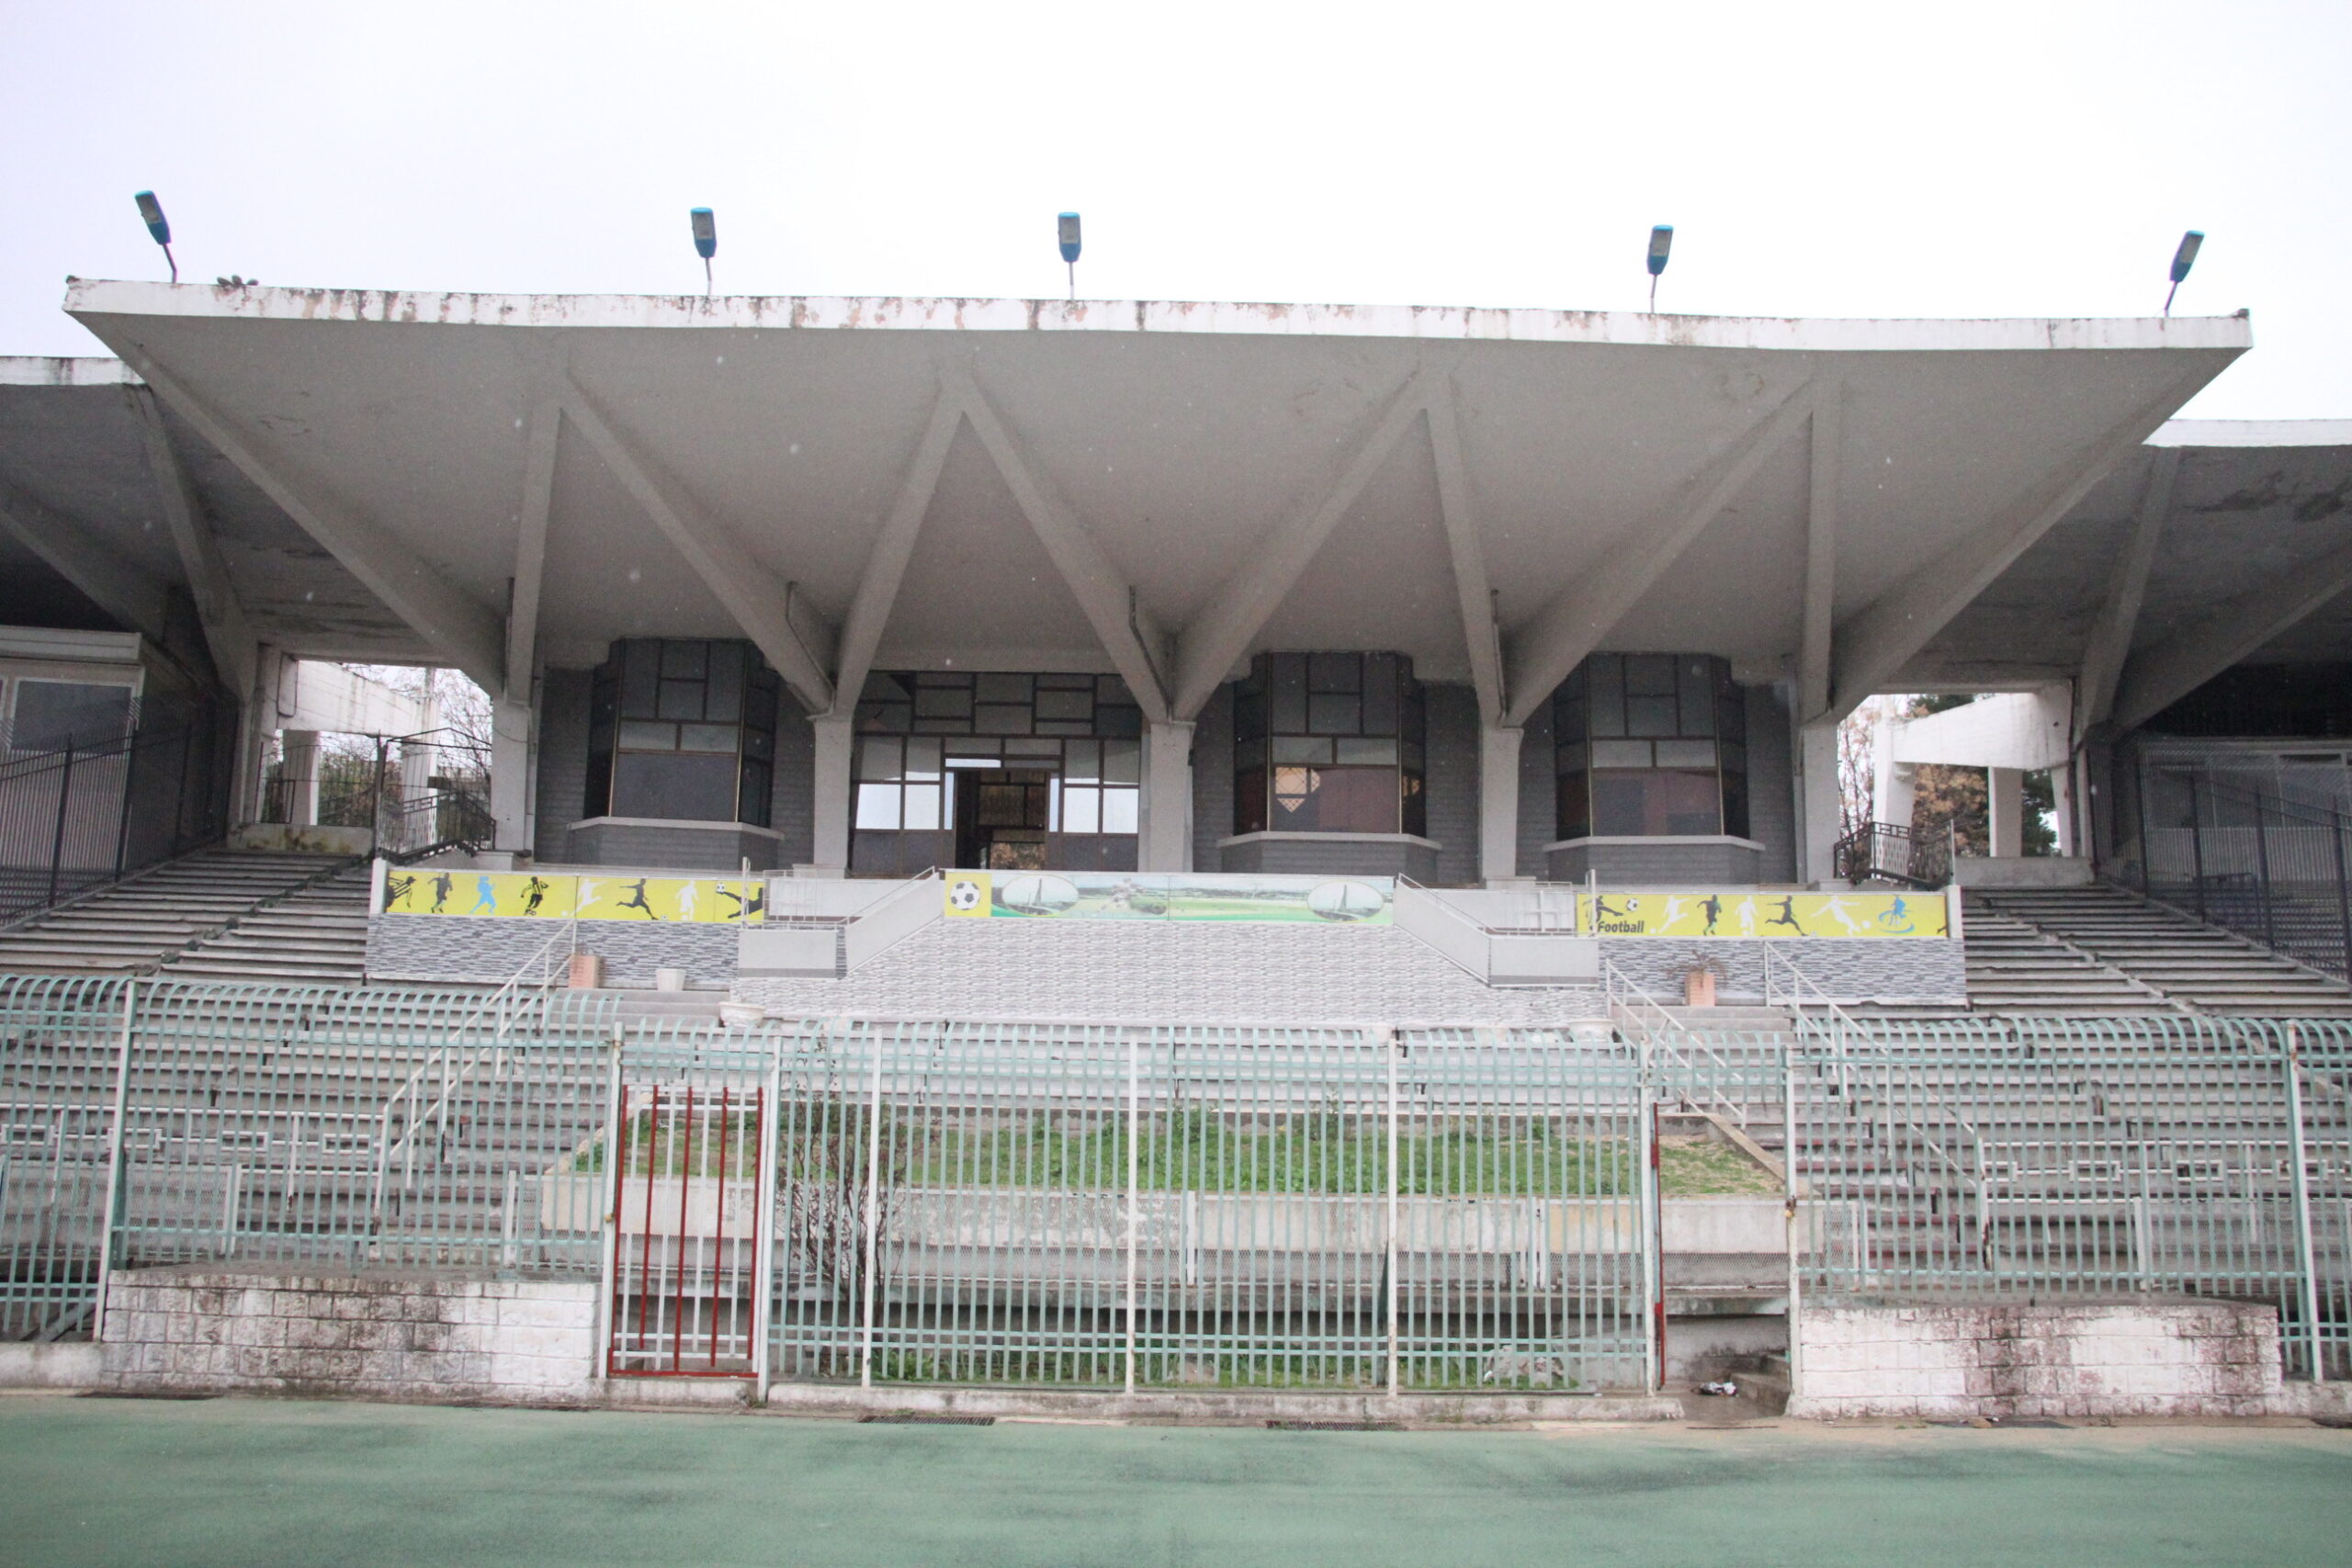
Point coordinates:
pixel 1627 1016
pixel 450 1084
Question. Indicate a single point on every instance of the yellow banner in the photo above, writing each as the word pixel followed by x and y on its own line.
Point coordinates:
pixel 713 900
pixel 1764 915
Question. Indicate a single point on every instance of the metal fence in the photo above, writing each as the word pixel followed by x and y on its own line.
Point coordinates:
pixel 75 820
pixel 2267 867
pixel 1158 1207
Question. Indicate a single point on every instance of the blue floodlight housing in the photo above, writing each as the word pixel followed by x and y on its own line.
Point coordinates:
pixel 152 213
pixel 2186 257
pixel 1067 228
pixel 1661 242
pixel 705 232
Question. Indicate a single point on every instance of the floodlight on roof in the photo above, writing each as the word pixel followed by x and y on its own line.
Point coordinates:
pixel 151 213
pixel 1066 228
pixel 1661 245
pixel 706 227
pixel 2182 260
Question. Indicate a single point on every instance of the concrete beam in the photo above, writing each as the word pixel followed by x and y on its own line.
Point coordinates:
pixel 1240 608
pixel 1825 470
pixel 2160 676
pixel 2110 644
pixel 1482 639
pixel 1874 643
pixel 1573 624
pixel 1136 645
pixel 462 631
pixel 894 545
pixel 219 611
pixel 753 595
pixel 531 549
pixel 140 602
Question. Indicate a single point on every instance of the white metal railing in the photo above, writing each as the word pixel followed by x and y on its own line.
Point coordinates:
pixel 504 1008
pixel 892 917
pixel 1705 1070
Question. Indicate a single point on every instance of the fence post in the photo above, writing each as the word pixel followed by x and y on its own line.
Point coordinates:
pixel 2305 1264
pixel 1646 1198
pixel 1389 1037
pixel 114 1214
pixel 2342 893
pixel 873 1214
pixel 2262 864
pixel 764 1244
pixel 1134 1216
pixel 609 1266
pixel 2196 844
pixel 2140 820
pixel 1795 1233
pixel 65 802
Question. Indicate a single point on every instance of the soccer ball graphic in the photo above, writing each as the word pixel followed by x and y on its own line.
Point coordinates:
pixel 964 894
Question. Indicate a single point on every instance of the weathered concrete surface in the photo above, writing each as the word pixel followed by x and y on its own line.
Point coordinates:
pixel 392 1337
pixel 233 1482
pixel 71 1365
pixel 2194 1359
pixel 1241 1406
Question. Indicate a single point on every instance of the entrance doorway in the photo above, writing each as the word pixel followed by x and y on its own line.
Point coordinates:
pixel 1004 818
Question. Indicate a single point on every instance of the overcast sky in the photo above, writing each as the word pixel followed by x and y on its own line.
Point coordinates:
pixel 1884 159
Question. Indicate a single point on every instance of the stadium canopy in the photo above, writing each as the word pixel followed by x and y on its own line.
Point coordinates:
pixel 503 482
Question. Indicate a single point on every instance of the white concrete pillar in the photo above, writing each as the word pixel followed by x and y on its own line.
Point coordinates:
pixel 299 776
pixel 1165 842
pixel 1821 817
pixel 829 800
pixel 257 720
pixel 2061 800
pixel 1499 802
pixel 1893 785
pixel 514 728
pixel 416 784
pixel 2005 805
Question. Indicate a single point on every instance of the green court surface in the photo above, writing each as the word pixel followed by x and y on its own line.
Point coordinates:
pixel 246 1483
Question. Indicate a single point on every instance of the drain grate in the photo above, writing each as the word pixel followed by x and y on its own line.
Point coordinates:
pixel 925 1418
pixel 1335 1425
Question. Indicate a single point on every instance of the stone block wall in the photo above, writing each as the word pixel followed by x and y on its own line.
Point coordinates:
pixel 459 947
pixel 1965 1361
pixel 383 1336
pixel 1849 969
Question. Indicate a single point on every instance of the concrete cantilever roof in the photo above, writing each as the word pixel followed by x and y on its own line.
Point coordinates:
pixel 1156 488
pixel 79 462
pixel 2219 542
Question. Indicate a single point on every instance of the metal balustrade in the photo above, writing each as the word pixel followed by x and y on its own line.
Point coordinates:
pixel 2270 869
pixel 1156 1206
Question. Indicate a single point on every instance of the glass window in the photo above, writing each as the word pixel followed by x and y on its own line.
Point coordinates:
pixel 1621 754
pixel 1122 762
pixel 943 702
pixel 877 806
pixel 1081 810
pixel 1122 810
pixel 1367 753
pixel 1002 718
pixel 709 737
pixel 723 698
pixel 1686 753
pixel 922 759
pixel 1332 715
pixel 1335 673
pixel 1082 762
pixel 1654 803
pixel 879 760
pixel 1000 688
pixel 923 803
pixel 1301 748
pixel 640 736
pixel 1608 695
pixel 1649 716
pixel 684 661
pixel 1074 707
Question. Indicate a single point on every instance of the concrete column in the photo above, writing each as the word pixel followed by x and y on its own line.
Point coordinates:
pixel 300 751
pixel 1820 812
pixel 417 758
pixel 1895 784
pixel 834 737
pixel 2005 803
pixel 1499 801
pixel 1166 840
pixel 2061 800
pixel 256 720
pixel 513 729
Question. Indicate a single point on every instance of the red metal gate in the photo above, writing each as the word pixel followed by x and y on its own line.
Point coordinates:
pixel 686 1219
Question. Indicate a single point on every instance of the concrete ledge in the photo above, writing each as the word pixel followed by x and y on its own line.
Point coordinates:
pixel 2021 871
pixel 73 1365
pixel 1224 1406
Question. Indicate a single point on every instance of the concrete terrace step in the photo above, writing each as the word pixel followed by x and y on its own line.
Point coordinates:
pixel 160 919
